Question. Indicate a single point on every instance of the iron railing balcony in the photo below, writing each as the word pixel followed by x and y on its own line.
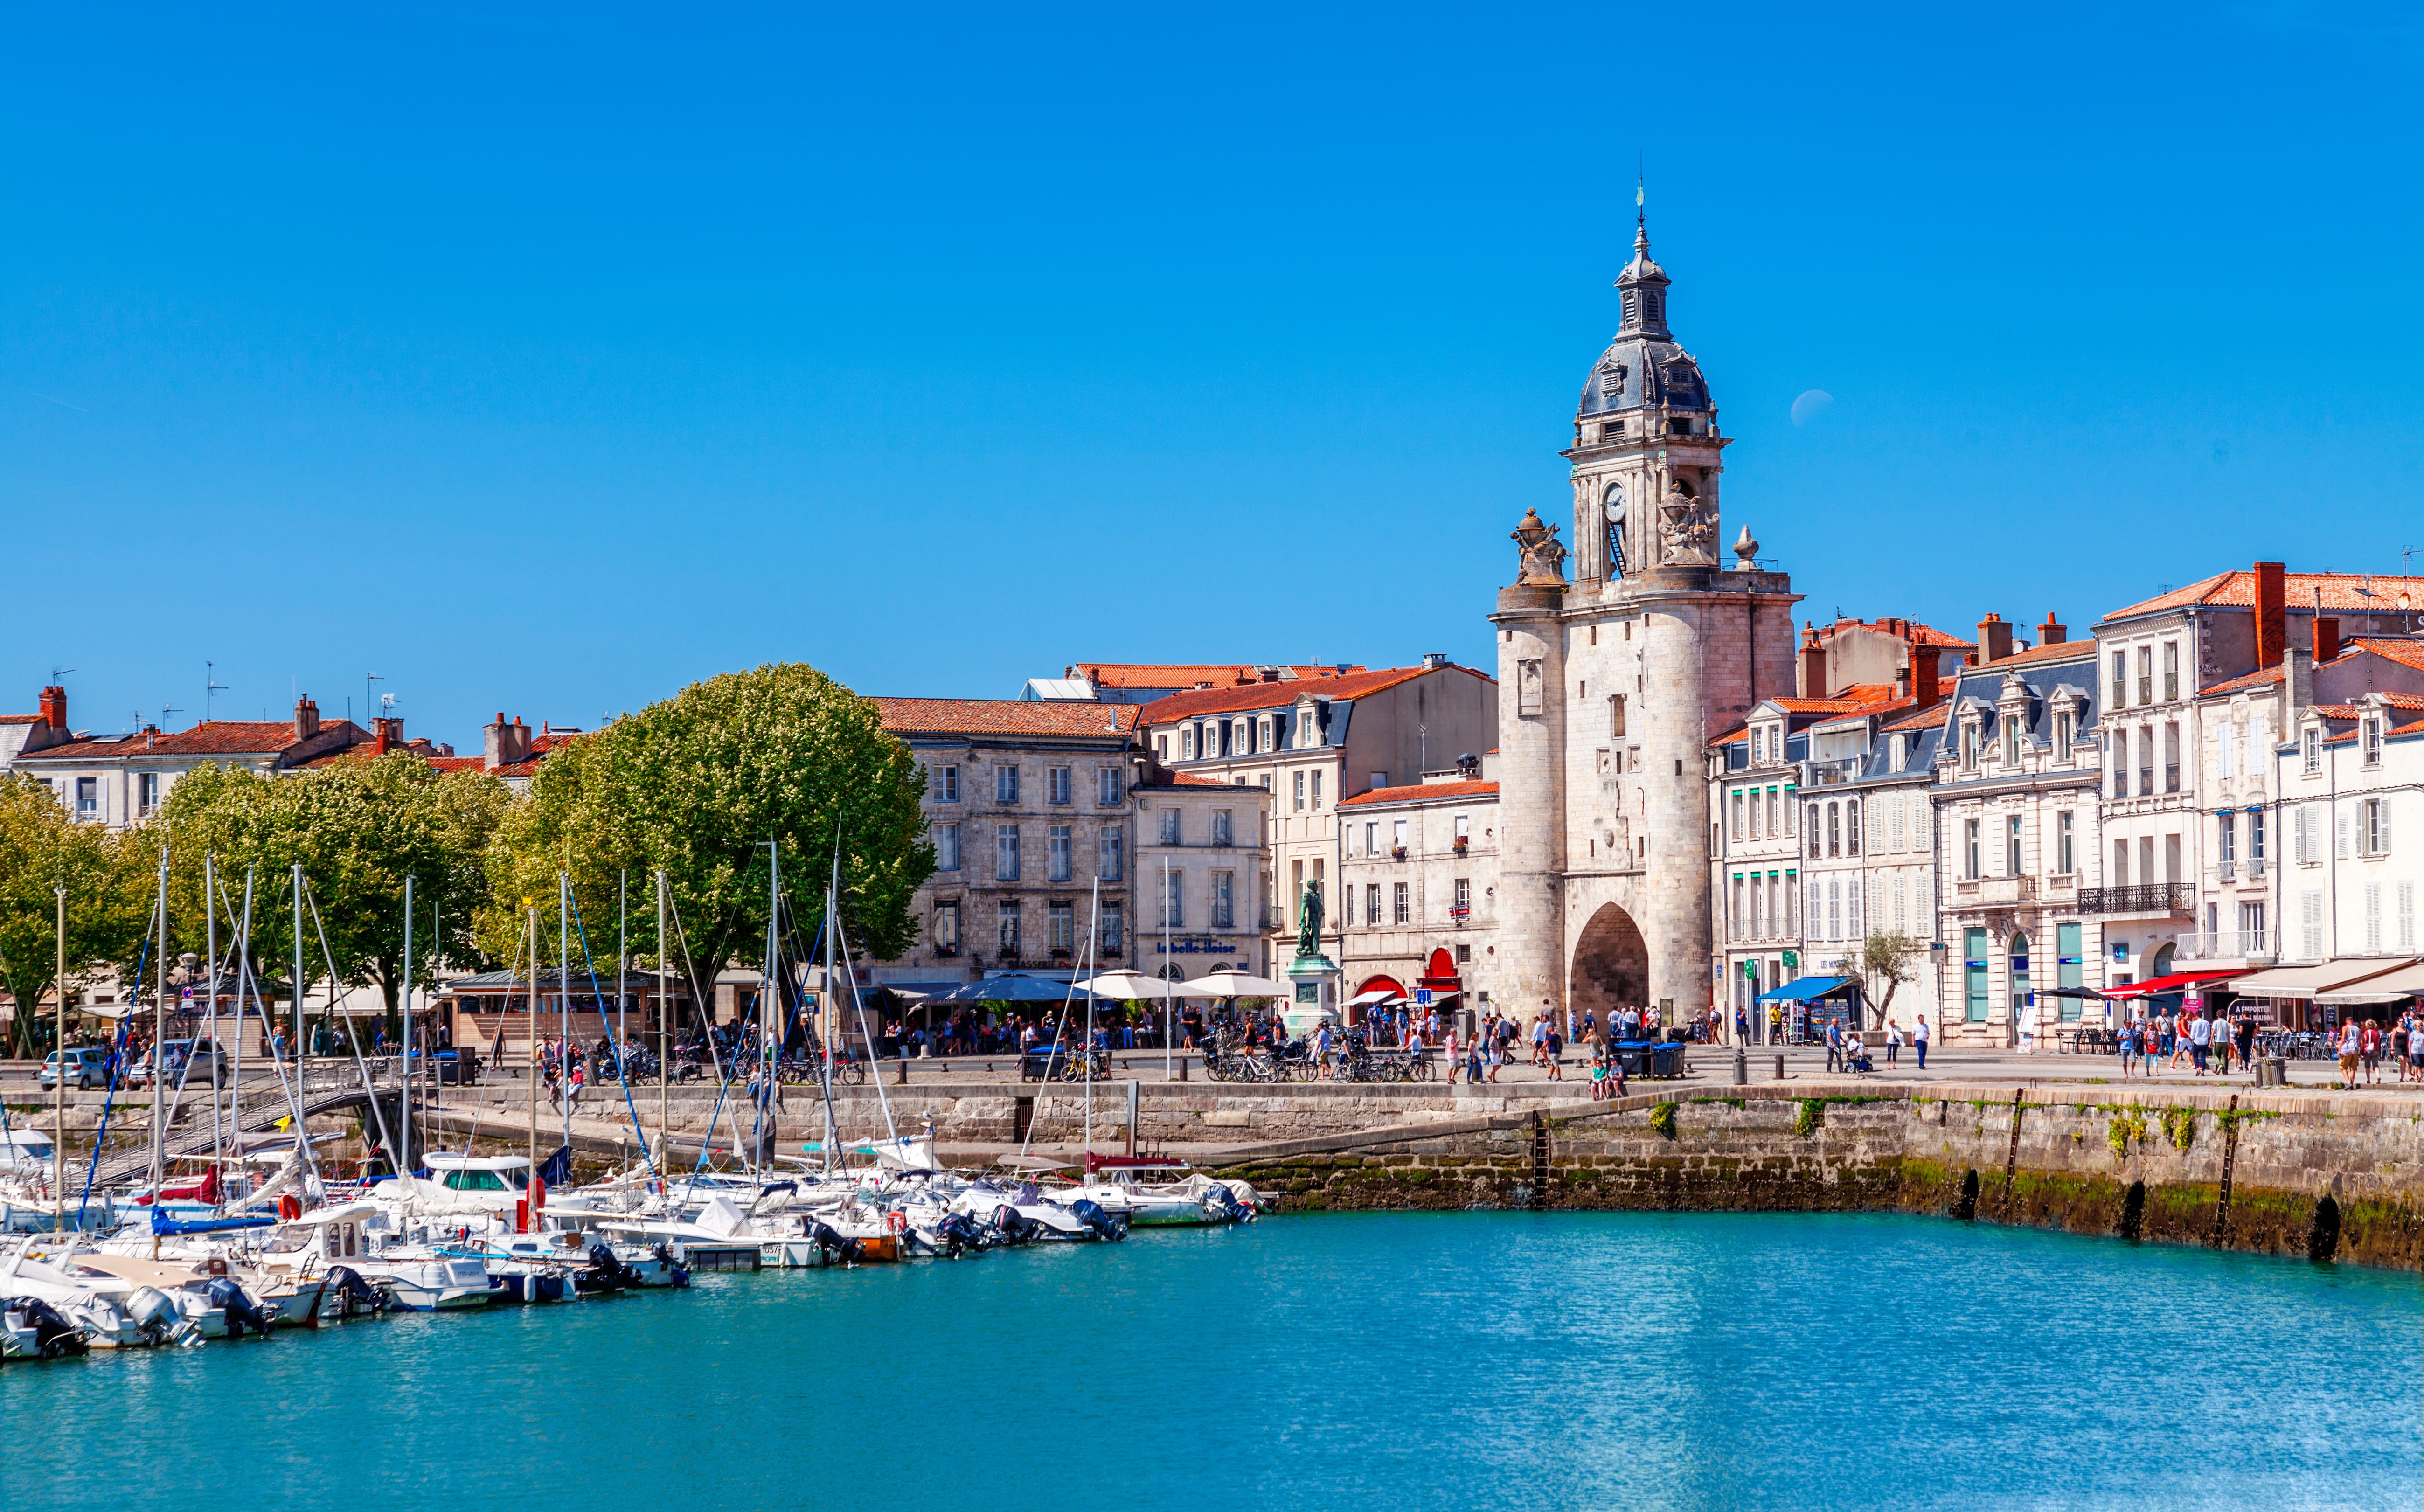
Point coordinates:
pixel 2141 898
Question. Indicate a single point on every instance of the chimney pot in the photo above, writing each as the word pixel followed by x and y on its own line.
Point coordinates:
pixel 2327 638
pixel 306 718
pixel 1812 668
pixel 54 708
pixel 1994 638
pixel 1926 675
pixel 2052 632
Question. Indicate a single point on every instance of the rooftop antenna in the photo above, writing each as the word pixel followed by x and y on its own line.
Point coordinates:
pixel 370 705
pixel 165 710
pixel 210 685
pixel 56 673
pixel 2406 560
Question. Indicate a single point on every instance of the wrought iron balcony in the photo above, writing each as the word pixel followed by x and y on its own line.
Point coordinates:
pixel 2142 897
pixel 2253 947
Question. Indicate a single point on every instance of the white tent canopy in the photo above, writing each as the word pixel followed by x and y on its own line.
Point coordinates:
pixel 2312 982
pixel 1135 986
pixel 2387 988
pixel 1241 985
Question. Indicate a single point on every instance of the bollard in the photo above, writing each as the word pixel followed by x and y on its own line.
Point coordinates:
pixel 2273 1071
pixel 1780 1068
pixel 1182 1068
pixel 903 1078
pixel 1742 1067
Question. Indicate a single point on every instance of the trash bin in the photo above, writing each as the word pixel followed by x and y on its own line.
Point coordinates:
pixel 2273 1071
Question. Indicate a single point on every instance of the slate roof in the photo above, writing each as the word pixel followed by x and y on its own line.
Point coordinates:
pixel 1006 716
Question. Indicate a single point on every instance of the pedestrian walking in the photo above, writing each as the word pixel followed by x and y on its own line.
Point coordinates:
pixel 1918 1042
pixel 1893 1044
pixel 2351 1042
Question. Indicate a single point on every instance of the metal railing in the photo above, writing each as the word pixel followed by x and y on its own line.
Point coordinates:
pixel 2224 945
pixel 2142 897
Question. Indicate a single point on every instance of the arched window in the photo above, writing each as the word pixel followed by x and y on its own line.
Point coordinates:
pixel 1614 507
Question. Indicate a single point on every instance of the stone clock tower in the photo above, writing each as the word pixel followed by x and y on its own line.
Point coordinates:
pixel 1612 686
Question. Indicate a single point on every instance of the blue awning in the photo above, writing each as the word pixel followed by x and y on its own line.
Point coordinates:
pixel 1802 989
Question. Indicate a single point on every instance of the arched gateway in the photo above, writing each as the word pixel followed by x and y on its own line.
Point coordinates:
pixel 1611 967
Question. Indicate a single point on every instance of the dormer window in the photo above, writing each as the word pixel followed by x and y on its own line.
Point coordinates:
pixel 2310 748
pixel 1970 745
pixel 1898 752
pixel 2370 736
pixel 2011 740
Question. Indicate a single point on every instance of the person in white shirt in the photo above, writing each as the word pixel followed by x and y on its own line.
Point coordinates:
pixel 1893 1042
pixel 2200 1042
pixel 1919 1040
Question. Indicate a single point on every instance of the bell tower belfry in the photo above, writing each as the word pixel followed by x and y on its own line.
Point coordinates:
pixel 1613 685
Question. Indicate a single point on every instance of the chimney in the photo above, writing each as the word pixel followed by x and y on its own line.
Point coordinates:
pixel 306 718
pixel 503 744
pixel 1926 675
pixel 54 708
pixel 386 734
pixel 1813 664
pixel 1994 638
pixel 2051 633
pixel 2297 685
pixel 1433 660
pixel 2327 638
pixel 2271 614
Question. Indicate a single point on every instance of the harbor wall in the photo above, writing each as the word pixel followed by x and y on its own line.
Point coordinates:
pixel 2288 1174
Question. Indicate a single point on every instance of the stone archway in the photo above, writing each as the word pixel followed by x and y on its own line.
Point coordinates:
pixel 1611 967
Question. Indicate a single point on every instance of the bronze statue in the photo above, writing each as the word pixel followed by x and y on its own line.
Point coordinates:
pixel 1308 933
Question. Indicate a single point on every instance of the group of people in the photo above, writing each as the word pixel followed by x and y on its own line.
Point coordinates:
pixel 2205 1046
pixel 2362 1047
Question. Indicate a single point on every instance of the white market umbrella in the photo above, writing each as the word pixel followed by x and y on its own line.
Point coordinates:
pixel 1241 985
pixel 1135 986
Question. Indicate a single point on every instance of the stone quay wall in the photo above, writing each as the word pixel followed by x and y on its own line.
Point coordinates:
pixel 2327 1177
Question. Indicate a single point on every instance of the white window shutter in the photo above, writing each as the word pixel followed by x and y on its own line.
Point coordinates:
pixel 2340 847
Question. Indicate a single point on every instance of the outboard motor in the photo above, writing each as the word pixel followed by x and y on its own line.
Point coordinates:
pixel 354 1294
pixel 54 1337
pixel 1091 1214
pixel 1221 1199
pixel 242 1312
pixel 676 1274
pixel 1014 1226
pixel 960 1235
pixel 606 1272
pixel 830 1240
pixel 153 1310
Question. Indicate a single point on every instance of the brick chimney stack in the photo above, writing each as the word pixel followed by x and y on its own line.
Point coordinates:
pixel 306 719
pixel 2327 638
pixel 54 708
pixel 1994 638
pixel 1926 671
pixel 2051 633
pixel 386 734
pixel 2271 614
pixel 1813 664
pixel 503 744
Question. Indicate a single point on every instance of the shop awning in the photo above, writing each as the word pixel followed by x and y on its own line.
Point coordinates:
pixel 2178 981
pixel 2310 981
pixel 1804 989
pixel 2387 988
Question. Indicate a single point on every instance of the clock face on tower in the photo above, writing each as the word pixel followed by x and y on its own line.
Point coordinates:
pixel 1615 511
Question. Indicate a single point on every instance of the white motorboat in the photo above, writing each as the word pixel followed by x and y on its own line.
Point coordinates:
pixel 420 1279
pixel 100 1319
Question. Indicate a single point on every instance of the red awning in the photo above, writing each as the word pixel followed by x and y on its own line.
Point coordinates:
pixel 2178 981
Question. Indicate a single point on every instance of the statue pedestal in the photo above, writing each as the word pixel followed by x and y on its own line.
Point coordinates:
pixel 1316 979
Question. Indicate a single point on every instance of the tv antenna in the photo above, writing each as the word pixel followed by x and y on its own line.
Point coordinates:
pixel 165 712
pixel 210 685
pixel 56 673
pixel 369 702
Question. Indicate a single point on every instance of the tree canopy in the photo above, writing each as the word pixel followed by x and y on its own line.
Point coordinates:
pixel 698 783
pixel 109 882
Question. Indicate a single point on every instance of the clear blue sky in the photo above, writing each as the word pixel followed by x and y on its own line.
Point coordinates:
pixel 545 364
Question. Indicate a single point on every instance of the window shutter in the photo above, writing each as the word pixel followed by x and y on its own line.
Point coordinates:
pixel 2340 846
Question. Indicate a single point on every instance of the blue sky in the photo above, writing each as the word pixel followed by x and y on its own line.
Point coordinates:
pixel 547 363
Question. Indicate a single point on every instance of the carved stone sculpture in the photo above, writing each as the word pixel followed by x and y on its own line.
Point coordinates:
pixel 1539 555
pixel 1687 530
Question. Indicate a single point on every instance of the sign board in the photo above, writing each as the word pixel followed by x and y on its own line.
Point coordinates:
pixel 2120 949
pixel 1750 969
pixel 1792 961
pixel 1309 992
pixel 1422 997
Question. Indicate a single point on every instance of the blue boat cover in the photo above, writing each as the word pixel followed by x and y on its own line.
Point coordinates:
pixel 163 1223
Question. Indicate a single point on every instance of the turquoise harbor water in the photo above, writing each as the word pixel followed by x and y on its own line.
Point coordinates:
pixel 1389 1360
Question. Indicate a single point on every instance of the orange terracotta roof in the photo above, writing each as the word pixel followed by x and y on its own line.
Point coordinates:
pixel 1885 706
pixel 2417 728
pixel 2260 677
pixel 1417 792
pixel 2405 652
pixel 1930 718
pixel 2058 651
pixel 1005 716
pixel 219 737
pixel 458 763
pixel 1280 695
pixel 20 718
pixel 1188 675
pixel 2345 592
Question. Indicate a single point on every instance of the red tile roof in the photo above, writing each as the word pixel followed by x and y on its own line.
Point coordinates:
pixel 2346 592
pixel 2260 677
pixel 1418 793
pixel 1006 716
pixel 2058 651
pixel 219 737
pixel 1930 718
pixel 1280 695
pixel 20 718
pixel 2417 728
pixel 1884 706
pixel 2406 652
pixel 1187 675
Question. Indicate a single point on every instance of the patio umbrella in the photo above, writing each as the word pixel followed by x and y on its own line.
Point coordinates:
pixel 1135 986
pixel 1243 984
pixel 1010 987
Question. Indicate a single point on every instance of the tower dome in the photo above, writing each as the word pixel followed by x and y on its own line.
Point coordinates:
pixel 1644 367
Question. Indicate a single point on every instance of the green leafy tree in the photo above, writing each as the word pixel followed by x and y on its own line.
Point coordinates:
pixel 359 829
pixel 696 784
pixel 108 878
pixel 1892 957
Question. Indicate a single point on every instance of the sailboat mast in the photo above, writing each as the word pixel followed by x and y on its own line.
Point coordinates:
pixel 404 1109
pixel 1092 910
pixel 298 980
pixel 530 1041
pixel 564 998
pixel 825 1018
pixel 770 1053
pixel 664 1036
pixel 60 1082
pixel 1169 1020
pixel 210 1013
pixel 622 965
pixel 160 1026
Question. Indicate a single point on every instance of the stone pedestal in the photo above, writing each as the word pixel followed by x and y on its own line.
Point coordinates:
pixel 1316 979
